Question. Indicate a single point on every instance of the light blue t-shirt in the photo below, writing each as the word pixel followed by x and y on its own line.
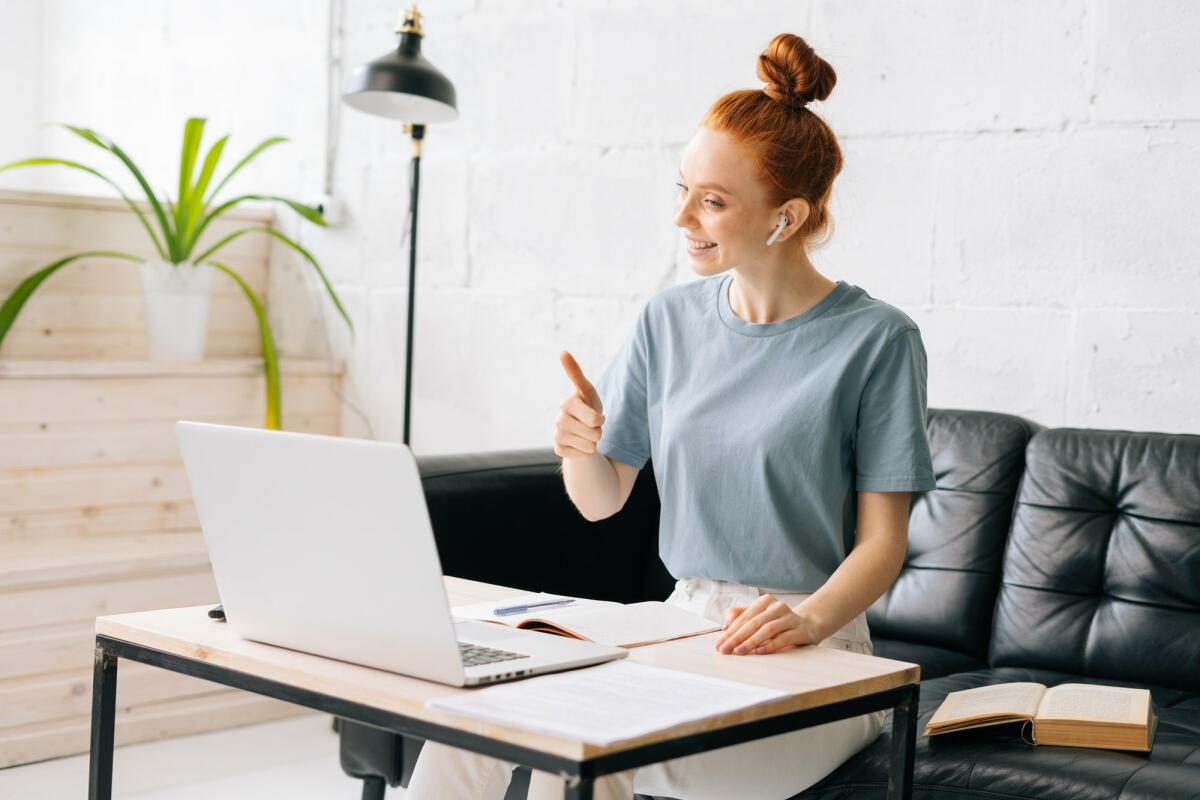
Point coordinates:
pixel 761 434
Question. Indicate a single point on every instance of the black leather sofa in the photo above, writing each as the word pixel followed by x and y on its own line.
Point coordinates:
pixel 1051 555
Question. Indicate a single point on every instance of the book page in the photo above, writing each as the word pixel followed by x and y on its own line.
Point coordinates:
pixel 1085 701
pixel 1000 700
pixel 607 703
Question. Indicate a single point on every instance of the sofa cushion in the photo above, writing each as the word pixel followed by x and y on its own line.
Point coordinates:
pixel 994 763
pixel 935 661
pixel 946 590
pixel 1100 574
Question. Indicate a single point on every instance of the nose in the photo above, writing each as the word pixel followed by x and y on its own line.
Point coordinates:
pixel 684 213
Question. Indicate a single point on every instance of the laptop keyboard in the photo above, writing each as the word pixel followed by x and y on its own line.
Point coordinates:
pixel 473 655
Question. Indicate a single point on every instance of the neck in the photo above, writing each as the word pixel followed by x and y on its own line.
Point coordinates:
pixel 765 293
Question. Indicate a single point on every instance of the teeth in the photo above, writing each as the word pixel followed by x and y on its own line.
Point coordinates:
pixel 699 245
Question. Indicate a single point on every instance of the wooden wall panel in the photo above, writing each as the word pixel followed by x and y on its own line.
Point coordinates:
pixel 93 308
pixel 96 514
pixel 142 723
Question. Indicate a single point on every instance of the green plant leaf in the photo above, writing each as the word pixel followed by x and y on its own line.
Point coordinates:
pixel 16 301
pixel 29 162
pixel 169 235
pixel 193 130
pixel 308 212
pixel 259 229
pixel 196 204
pixel 263 145
pixel 270 359
pixel 88 134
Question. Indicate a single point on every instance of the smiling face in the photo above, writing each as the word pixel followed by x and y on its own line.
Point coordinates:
pixel 723 207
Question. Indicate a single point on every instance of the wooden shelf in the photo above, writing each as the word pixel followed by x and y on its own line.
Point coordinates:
pixel 250 211
pixel 142 368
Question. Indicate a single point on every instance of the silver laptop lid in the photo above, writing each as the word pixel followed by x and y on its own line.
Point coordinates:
pixel 323 544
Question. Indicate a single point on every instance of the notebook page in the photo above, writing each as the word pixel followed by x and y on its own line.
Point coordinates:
pixel 608 703
pixel 483 610
pixel 637 624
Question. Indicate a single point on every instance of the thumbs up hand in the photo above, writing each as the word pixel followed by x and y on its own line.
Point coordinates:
pixel 577 428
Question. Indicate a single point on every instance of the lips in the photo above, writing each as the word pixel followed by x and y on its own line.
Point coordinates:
pixel 699 247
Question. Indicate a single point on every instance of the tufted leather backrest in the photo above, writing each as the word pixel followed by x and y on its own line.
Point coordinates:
pixel 1102 570
pixel 505 517
pixel 946 589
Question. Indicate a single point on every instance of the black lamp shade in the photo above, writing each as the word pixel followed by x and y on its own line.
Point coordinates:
pixel 403 85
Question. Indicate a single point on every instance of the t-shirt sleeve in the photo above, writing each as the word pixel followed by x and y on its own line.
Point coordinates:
pixel 891 448
pixel 625 435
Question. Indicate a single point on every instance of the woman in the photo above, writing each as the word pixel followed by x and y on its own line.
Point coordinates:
pixel 785 416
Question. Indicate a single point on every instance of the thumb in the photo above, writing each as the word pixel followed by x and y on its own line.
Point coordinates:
pixel 582 384
pixel 731 614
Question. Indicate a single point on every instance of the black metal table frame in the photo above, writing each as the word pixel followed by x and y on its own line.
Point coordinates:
pixel 578 775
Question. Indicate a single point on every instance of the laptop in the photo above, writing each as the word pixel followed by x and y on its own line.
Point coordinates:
pixel 323 544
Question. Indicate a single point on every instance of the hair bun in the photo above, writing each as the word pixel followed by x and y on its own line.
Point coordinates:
pixel 795 75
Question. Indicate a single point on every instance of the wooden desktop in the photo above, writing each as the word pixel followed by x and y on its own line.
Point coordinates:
pixel 823 685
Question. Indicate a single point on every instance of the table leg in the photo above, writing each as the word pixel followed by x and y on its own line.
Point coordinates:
pixel 904 743
pixel 104 712
pixel 577 788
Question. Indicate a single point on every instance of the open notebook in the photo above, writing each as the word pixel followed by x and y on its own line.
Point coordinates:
pixel 600 621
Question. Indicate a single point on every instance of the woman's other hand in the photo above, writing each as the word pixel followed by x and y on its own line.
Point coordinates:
pixel 765 626
pixel 577 428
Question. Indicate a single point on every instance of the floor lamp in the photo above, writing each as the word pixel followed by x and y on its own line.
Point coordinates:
pixel 403 85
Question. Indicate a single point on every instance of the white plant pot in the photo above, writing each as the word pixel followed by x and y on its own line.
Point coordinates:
pixel 177 302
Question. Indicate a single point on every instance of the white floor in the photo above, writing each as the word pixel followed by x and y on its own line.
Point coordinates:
pixel 295 759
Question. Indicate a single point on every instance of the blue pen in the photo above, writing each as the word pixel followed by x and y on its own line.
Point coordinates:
pixel 504 612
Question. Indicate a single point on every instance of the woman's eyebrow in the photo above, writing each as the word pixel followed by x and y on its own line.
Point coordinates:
pixel 718 187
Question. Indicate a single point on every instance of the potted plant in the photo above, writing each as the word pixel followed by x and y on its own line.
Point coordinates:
pixel 176 283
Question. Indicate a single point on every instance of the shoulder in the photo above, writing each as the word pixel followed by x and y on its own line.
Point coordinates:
pixel 691 297
pixel 878 320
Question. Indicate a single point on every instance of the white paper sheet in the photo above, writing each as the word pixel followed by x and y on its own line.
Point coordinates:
pixel 607 703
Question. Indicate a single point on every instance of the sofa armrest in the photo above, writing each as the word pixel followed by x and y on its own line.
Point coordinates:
pixel 505 517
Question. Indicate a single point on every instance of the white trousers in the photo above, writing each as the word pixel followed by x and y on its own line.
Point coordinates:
pixel 772 769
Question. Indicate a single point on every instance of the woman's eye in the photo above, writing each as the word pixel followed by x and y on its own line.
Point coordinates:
pixel 712 203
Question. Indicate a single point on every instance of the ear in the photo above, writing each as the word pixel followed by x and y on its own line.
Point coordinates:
pixel 796 210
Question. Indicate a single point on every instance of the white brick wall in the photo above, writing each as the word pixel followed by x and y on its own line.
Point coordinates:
pixel 135 70
pixel 20 26
pixel 1020 178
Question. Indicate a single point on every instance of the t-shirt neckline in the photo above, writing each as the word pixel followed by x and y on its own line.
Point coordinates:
pixel 741 326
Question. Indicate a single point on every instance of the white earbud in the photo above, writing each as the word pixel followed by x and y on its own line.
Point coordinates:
pixel 779 230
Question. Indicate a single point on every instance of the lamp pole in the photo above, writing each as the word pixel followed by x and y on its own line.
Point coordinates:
pixel 403 85
pixel 418 134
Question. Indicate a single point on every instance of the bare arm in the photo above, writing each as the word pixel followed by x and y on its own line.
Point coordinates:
pixel 869 569
pixel 596 484
pixel 768 626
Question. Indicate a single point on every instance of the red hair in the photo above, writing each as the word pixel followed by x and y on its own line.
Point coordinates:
pixel 795 152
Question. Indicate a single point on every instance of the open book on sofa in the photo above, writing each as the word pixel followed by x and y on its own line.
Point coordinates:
pixel 1075 714
pixel 600 621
